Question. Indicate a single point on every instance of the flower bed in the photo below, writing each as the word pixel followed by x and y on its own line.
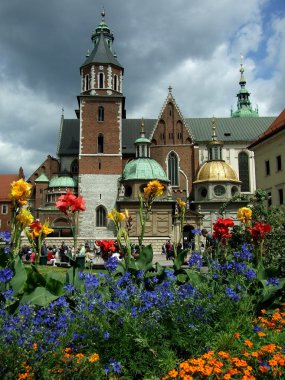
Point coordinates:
pixel 138 320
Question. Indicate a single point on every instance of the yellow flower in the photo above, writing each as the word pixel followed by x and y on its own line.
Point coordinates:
pixel 25 218
pixel 46 230
pixel 121 216
pixel 111 215
pixel 20 191
pixel 181 203
pixel 244 214
pixel 153 189
pixel 116 216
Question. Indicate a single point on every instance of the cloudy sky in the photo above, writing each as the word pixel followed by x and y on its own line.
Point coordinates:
pixel 192 45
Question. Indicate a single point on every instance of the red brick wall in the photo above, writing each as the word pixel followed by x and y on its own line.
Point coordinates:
pixel 109 128
pixel 172 135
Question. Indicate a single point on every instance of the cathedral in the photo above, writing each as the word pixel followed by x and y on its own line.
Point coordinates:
pixel 108 159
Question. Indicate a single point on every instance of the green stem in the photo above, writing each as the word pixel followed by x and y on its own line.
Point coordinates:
pixel 142 222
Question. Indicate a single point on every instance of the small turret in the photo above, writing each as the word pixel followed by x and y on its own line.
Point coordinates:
pixel 244 108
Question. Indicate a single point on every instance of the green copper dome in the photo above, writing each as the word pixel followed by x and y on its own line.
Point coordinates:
pixel 63 182
pixel 144 169
pixel 42 178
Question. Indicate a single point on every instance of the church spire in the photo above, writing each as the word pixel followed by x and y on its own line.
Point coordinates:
pixel 102 39
pixel 142 144
pixel 214 146
pixel 244 108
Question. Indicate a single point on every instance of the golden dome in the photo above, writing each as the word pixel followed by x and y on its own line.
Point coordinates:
pixel 216 171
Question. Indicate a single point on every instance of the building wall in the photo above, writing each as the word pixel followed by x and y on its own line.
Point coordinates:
pixel 5 215
pixel 274 181
pixel 97 190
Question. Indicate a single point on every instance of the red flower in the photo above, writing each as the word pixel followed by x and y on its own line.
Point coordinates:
pixel 259 230
pixel 69 202
pixel 36 228
pixel 107 248
pixel 221 229
pixel 78 204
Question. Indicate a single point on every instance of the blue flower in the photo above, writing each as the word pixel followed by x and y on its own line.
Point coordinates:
pixel 106 335
pixel 272 281
pixel 195 260
pixel 111 264
pixel 232 294
pixel 8 294
pixel 250 274
pixel 6 275
pixel 196 231
pixel 256 328
pixel 5 236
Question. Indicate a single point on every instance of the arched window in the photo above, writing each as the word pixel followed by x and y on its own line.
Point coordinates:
pixel 74 167
pixel 173 169
pixel 100 113
pixel 115 87
pixel 243 171
pixel 101 220
pixel 101 80
pixel 100 148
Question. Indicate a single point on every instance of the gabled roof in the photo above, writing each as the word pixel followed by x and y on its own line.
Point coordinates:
pixel 277 126
pixel 5 185
pixel 171 99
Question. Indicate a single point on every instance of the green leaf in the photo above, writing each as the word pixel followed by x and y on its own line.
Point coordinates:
pixel 35 279
pixel 20 277
pixel 4 257
pixel 39 296
pixel 182 277
pixel 180 259
pixel 54 283
pixel 72 277
pixel 144 261
pixel 195 278
pixel 120 268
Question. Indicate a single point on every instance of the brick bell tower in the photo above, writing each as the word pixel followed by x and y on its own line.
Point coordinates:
pixel 101 110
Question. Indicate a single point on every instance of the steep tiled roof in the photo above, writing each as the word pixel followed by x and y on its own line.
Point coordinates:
pixel 5 182
pixel 228 129
pixel 277 126
pixel 102 54
pixel 131 131
pixel 69 137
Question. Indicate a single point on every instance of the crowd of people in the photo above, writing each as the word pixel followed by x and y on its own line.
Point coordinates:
pixel 93 252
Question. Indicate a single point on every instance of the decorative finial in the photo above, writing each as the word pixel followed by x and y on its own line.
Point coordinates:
pixel 103 14
pixel 214 135
pixel 88 53
pixel 170 89
pixel 62 111
pixel 142 127
pixel 241 67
